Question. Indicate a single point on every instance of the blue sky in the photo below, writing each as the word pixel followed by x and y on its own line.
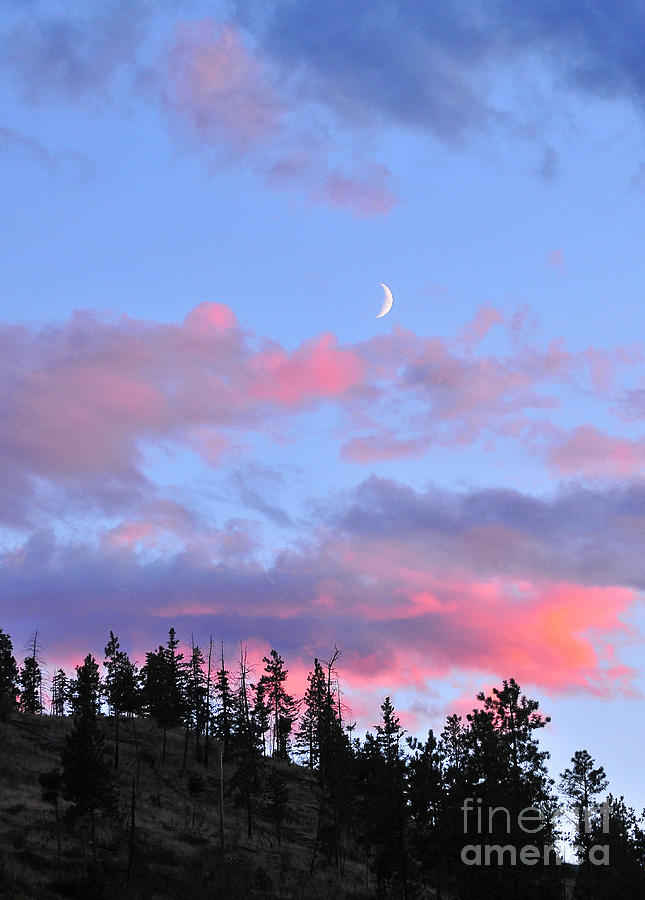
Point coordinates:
pixel 207 426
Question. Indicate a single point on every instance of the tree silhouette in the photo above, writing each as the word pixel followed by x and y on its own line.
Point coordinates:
pixel 8 676
pixel 282 705
pixel 225 699
pixel 85 689
pixel 31 679
pixel 163 687
pixel 85 771
pixel 581 784
pixel 60 693
pixel 121 686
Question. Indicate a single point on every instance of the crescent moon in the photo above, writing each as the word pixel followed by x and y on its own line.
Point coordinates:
pixel 388 300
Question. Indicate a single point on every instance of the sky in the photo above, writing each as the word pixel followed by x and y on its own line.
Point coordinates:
pixel 205 425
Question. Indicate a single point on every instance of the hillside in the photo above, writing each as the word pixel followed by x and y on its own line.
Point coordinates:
pixel 175 851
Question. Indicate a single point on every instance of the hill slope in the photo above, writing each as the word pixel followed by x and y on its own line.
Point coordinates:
pixel 175 847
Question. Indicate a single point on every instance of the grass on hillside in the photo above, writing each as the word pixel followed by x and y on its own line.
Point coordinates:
pixel 176 850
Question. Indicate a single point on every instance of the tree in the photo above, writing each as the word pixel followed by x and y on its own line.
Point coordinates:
pixel 8 676
pixel 163 687
pixel 31 680
pixel 505 770
pixel 30 685
pixel 120 686
pixel 311 722
pixel 282 705
pixel 196 710
pixel 616 827
pixel 246 744
pixel 581 784
pixel 426 802
pixel 60 693
pixel 85 689
pixel 224 717
pixel 85 772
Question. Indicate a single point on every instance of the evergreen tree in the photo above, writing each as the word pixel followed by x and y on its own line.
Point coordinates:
pixel 85 689
pixel 618 831
pixel 31 679
pixel 311 721
pixel 426 793
pixel 581 785
pixel 282 705
pixel 505 769
pixel 30 686
pixel 163 686
pixel 196 712
pixel 246 778
pixel 8 676
pixel 332 753
pixel 261 713
pixel 225 698
pixel 60 693
pixel 85 771
pixel 121 686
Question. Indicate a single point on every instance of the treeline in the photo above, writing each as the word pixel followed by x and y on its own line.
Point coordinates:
pixel 470 812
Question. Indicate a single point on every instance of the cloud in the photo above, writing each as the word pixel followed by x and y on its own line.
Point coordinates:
pixel 216 85
pixel 232 105
pixel 435 67
pixel 587 451
pixel 84 402
pixel 413 586
pixel 73 57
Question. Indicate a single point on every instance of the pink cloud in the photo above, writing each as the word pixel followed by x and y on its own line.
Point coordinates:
pixel 318 368
pixel 475 332
pixel 375 447
pixel 588 451
pixel 215 85
pixel 366 192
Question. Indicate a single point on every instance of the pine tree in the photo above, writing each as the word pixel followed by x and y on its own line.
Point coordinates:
pixel 85 689
pixel 196 712
pixel 31 679
pixel 261 713
pixel 121 686
pixel 30 686
pixel 163 687
pixel 282 705
pixel 311 722
pixel 426 801
pixel 505 769
pixel 246 743
pixel 60 693
pixel 8 676
pixel 581 785
pixel 85 771
pixel 225 715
